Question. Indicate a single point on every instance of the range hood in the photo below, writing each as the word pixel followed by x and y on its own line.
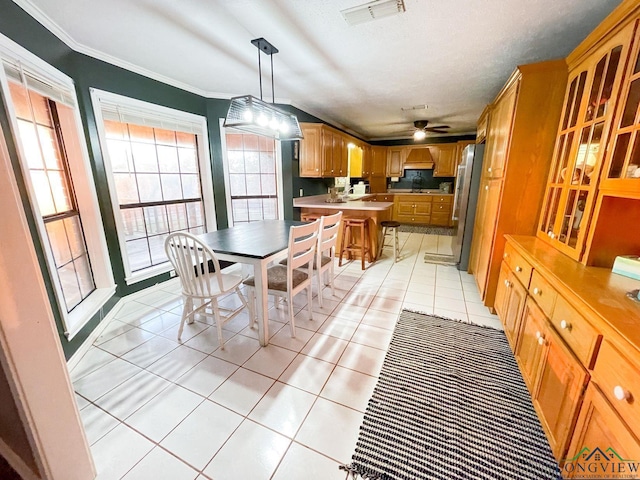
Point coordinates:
pixel 419 158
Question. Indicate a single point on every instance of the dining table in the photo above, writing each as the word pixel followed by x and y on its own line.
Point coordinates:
pixel 257 244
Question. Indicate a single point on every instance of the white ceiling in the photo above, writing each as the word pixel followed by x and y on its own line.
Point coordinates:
pixel 451 55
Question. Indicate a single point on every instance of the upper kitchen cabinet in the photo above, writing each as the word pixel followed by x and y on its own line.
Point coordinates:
pixel 378 161
pixel 519 146
pixel 596 74
pixel 311 150
pixel 324 151
pixel 445 159
pixel 483 123
pixel 395 161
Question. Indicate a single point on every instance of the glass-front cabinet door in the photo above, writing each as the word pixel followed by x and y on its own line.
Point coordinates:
pixel 622 169
pixel 582 134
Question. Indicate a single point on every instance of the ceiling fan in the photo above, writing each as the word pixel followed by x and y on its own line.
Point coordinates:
pixel 421 129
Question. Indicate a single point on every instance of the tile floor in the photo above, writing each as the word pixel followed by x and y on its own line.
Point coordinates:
pixel 154 408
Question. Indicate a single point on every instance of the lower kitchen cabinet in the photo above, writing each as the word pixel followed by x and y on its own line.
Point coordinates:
pixel 558 393
pixel 600 426
pixel 510 300
pixel 574 335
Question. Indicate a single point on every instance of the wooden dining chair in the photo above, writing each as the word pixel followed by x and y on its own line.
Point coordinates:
pixel 202 281
pixel 326 252
pixel 288 280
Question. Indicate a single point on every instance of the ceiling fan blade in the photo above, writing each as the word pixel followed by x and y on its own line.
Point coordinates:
pixel 439 126
pixel 435 130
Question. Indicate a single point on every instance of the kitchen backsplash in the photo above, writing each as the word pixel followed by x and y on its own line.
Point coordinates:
pixel 422 179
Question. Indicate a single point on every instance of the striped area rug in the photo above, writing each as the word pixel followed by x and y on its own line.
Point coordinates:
pixel 450 403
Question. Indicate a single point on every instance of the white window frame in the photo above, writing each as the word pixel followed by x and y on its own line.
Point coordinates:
pixel 169 116
pixel 85 191
pixel 225 166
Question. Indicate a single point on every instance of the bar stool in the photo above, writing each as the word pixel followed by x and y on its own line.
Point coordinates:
pixel 390 229
pixel 349 244
pixel 309 217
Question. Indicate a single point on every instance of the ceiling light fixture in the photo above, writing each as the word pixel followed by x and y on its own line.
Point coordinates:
pixel 419 135
pixel 254 115
pixel 372 11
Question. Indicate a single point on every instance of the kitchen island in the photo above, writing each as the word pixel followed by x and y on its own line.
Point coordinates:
pixel 355 206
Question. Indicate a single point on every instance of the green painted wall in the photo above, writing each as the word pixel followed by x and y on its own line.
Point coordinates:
pixel 89 73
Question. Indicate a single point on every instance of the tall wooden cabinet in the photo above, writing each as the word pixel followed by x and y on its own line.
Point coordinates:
pixel 519 145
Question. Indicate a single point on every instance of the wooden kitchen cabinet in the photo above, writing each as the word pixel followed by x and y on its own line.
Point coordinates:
pixel 441 210
pixel 414 209
pixel 395 161
pixel 558 393
pixel 379 161
pixel 511 296
pixel 599 426
pixel 530 349
pixel 445 158
pixel 324 151
pixel 519 146
pixel 311 151
pixel 581 139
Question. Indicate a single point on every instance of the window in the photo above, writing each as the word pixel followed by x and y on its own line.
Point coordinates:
pixel 159 178
pixel 45 122
pixel 252 177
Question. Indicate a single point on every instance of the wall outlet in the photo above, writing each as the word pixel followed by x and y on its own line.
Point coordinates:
pixel 172 273
pixel 301 192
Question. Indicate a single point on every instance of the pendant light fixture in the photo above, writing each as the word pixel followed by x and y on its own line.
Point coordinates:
pixel 254 115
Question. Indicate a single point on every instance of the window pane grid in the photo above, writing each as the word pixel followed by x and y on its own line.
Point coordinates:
pixel 157 178
pixel 146 227
pixel 41 137
pixel 252 179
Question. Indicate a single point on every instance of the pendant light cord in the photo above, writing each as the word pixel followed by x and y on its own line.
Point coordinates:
pixel 260 72
pixel 273 92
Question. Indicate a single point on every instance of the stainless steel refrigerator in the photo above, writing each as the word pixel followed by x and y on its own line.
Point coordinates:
pixel 465 202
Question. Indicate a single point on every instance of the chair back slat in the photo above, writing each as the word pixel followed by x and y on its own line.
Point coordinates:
pixel 190 257
pixel 328 236
pixel 302 245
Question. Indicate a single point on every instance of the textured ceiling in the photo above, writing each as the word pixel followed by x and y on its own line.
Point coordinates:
pixel 450 55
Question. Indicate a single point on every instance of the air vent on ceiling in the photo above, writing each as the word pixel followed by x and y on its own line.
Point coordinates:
pixel 372 11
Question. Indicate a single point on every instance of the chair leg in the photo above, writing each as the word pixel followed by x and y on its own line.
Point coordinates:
pixel 320 287
pixel 216 314
pixel 381 243
pixel 309 305
pixel 186 308
pixel 396 245
pixel 331 276
pixel 363 247
pixel 292 322
pixel 345 240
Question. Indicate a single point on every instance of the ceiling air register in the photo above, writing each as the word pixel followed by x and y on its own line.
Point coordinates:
pixel 254 115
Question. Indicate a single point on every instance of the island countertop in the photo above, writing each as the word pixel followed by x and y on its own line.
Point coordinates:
pixel 318 201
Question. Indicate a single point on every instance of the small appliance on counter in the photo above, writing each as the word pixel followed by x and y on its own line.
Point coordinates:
pixel 445 187
pixel 360 188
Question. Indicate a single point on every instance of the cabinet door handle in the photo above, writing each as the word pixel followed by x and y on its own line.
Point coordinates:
pixel 518 268
pixel 507 284
pixel 487 187
pixel 621 394
pixel 538 334
pixel 565 325
pixel 506 255
pixel 537 291
pixel 541 341
pixel 489 169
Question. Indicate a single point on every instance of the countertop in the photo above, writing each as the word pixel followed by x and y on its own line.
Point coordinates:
pixel 357 202
pixel 408 191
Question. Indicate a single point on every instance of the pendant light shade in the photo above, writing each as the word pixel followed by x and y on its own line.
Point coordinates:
pixel 254 115
pixel 251 114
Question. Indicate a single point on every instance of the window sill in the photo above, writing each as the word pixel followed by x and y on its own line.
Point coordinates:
pixel 80 315
pixel 148 273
